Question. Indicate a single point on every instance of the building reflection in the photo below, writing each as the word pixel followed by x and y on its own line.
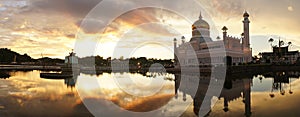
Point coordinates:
pixel 71 82
pixel 232 90
pixel 192 85
pixel 236 86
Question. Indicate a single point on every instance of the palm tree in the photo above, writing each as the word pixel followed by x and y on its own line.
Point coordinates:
pixel 271 40
pixel 289 43
pixel 281 43
pixel 260 54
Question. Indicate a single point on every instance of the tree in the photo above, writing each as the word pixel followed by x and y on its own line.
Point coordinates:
pixel 281 43
pixel 271 40
pixel 289 43
pixel 260 54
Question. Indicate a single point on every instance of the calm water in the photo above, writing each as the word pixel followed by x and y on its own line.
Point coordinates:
pixel 149 94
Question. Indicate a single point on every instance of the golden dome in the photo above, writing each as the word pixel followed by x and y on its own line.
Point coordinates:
pixel 200 23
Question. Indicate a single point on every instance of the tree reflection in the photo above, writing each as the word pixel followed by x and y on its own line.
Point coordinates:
pixel 4 75
pixel 280 81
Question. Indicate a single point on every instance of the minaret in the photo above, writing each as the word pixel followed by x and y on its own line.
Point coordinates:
pixel 182 39
pixel 246 44
pixel 225 36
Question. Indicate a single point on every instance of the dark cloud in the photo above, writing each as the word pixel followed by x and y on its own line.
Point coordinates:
pixel 91 26
pixel 132 18
pixel 76 8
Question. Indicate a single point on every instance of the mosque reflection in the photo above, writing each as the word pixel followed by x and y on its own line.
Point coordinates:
pixel 235 86
pixel 71 82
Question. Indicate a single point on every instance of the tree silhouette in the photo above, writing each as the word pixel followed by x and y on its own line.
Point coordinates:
pixel 289 43
pixel 271 40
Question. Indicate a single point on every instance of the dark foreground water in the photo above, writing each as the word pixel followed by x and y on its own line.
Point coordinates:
pixel 148 94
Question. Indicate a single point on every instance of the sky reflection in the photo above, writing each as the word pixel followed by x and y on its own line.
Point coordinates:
pixel 26 94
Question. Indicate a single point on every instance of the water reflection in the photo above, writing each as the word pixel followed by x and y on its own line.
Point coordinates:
pixel 116 94
pixel 4 75
pixel 28 90
pixel 26 94
pixel 70 79
pixel 237 87
pixel 71 82
pixel 280 81
pixel 242 94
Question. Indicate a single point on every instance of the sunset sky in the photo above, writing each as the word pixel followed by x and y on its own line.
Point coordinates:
pixel 52 27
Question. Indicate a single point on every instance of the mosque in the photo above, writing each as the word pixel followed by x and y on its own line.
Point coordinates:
pixel 209 52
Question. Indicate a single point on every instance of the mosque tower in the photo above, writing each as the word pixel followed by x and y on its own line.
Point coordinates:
pixel 246 37
pixel 246 44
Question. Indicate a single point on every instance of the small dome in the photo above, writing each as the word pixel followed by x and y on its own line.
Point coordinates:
pixel 201 24
pixel 246 14
pixel 224 28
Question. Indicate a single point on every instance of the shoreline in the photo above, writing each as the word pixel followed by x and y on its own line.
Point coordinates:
pixel 29 67
pixel 229 69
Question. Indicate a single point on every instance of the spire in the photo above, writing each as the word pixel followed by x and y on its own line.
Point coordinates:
pixel 200 16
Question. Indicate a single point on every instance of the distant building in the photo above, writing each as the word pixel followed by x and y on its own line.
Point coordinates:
pixel 280 55
pixel 71 63
pixel 211 52
pixel 117 64
pixel 71 59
